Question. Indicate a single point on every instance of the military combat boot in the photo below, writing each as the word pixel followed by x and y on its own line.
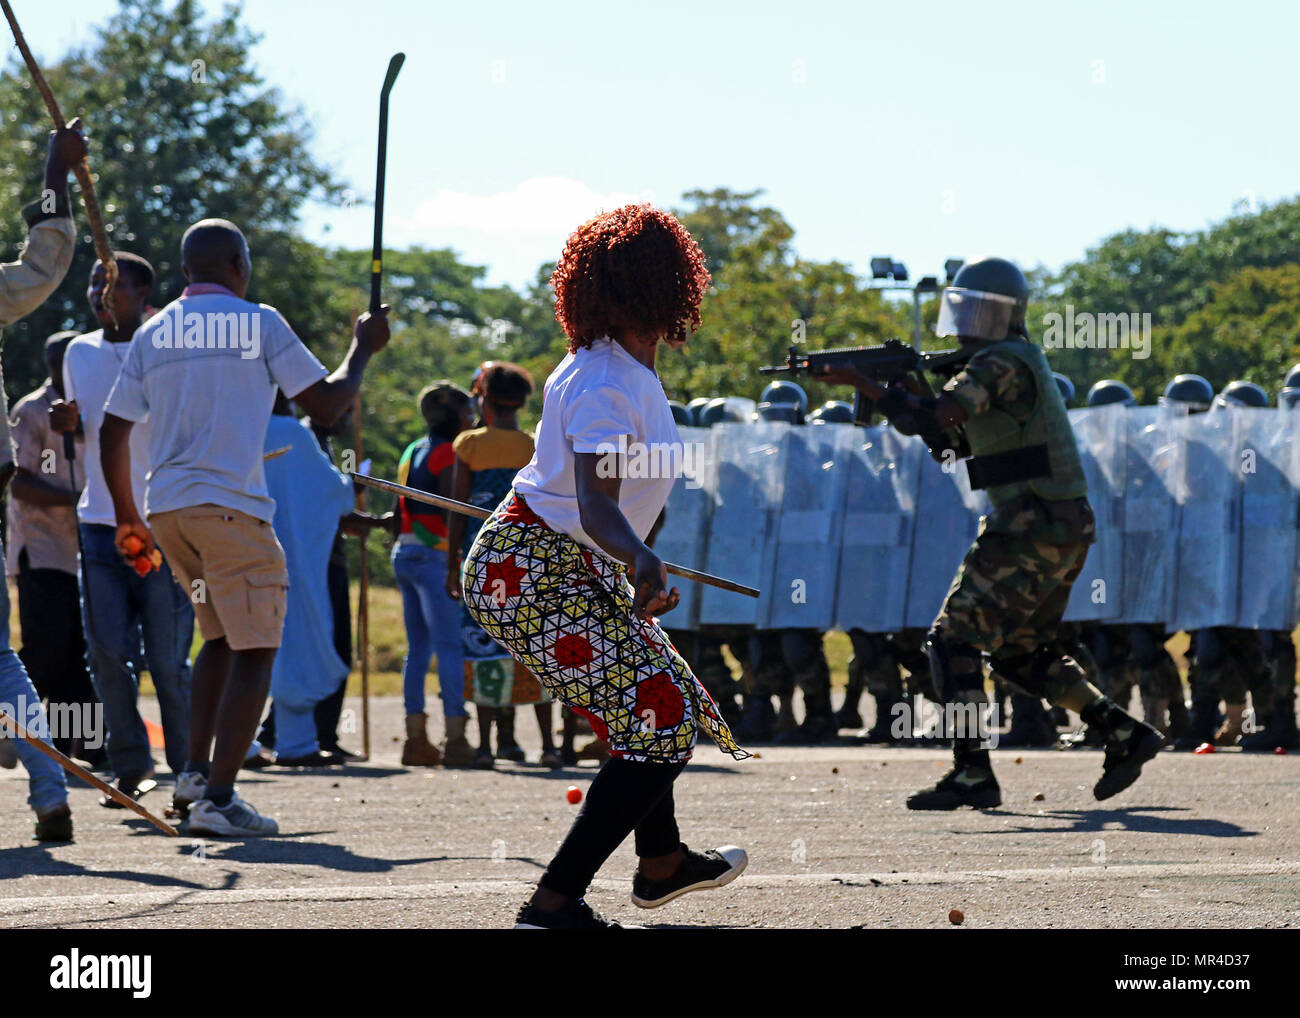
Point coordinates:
pixel 882 729
pixel 785 721
pixel 1155 712
pixel 1280 733
pixel 847 716
pixel 1202 724
pixel 757 720
pixel 1030 724
pixel 969 783
pixel 818 726
pixel 1130 743
pixel 1180 722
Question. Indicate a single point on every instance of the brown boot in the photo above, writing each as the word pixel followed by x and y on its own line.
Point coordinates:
pixel 456 750
pixel 418 751
pixel 1230 731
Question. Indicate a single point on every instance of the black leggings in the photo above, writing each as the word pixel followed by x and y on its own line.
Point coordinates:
pixel 625 796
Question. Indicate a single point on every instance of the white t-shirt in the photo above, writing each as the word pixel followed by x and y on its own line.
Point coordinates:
pixel 205 370
pixel 90 367
pixel 602 399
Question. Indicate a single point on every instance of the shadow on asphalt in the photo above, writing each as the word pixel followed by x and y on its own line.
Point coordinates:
pixel 348 771
pixel 38 860
pixel 1138 819
pixel 291 849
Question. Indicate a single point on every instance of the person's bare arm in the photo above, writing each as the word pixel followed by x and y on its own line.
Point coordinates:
pixel 460 486
pixel 34 489
pixel 330 398
pixel 25 284
pixel 604 523
pixel 115 458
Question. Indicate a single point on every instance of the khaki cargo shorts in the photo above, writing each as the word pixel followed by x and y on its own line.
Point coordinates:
pixel 233 569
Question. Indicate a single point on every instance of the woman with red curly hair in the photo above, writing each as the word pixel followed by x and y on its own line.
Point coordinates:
pixel 547 576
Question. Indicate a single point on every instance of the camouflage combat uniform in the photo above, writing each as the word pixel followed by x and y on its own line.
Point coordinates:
pixel 703 652
pixel 874 667
pixel 1012 588
pixel 1227 663
pixel 783 659
pixel 1279 722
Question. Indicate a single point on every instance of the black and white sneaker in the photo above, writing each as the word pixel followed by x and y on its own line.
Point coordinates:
pixel 699 871
pixel 576 916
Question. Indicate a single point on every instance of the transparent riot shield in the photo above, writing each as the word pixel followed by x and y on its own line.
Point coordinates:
pixel 1149 514
pixel 947 519
pixel 883 470
pixel 684 537
pixel 808 528
pixel 1207 486
pixel 748 479
pixel 1100 433
pixel 1269 462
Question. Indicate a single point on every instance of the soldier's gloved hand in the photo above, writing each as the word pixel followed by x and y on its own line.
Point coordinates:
pixel 893 405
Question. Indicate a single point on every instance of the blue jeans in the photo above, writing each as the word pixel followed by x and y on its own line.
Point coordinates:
pixel 18 697
pixel 433 621
pixel 122 611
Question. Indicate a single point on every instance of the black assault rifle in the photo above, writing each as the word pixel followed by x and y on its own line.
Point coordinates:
pixel 893 361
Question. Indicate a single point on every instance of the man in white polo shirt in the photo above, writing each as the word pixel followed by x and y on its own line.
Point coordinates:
pixel 122 610
pixel 204 372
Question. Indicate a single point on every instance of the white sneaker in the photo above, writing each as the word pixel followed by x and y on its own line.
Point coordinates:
pixel 235 819
pixel 191 786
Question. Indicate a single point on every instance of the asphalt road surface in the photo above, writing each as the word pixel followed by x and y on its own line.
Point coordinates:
pixel 1200 841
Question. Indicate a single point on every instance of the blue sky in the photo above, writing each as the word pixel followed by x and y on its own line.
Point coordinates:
pixel 1029 130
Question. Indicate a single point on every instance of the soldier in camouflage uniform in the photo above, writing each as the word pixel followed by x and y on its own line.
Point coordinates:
pixel 784 659
pixel 892 667
pixel 873 668
pixel 1111 644
pixel 1279 728
pixel 1134 655
pixel 1224 662
pixel 1011 591
pixel 1278 725
pixel 702 646
pixel 1031 724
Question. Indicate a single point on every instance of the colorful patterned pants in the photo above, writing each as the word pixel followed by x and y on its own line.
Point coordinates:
pixel 565 613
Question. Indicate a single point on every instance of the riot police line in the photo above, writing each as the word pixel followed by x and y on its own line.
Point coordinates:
pixel 846 527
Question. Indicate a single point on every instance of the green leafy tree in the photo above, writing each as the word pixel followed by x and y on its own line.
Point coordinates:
pixel 1250 329
pixel 764 298
pixel 1217 298
pixel 181 127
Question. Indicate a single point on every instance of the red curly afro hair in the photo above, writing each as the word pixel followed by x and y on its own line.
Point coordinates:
pixel 633 268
